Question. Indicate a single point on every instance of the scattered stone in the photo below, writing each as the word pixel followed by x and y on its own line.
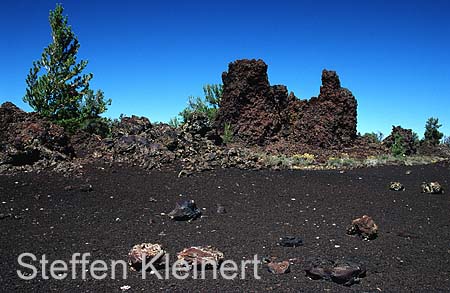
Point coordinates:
pixel 125 288
pixel 278 268
pixel 4 216
pixel 364 227
pixel 396 186
pixel 408 172
pixel 432 188
pixel 147 251
pixel 185 211
pixel 347 273
pixel 340 271
pixel 86 188
pixel 290 241
pixel 204 256
pixel 221 209
pixel 184 173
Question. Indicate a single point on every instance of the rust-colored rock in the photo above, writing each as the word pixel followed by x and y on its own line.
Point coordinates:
pixel 201 256
pixel 26 139
pixel 261 114
pixel 364 227
pixel 147 251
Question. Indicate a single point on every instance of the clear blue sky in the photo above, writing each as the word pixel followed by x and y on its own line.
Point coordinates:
pixel 149 56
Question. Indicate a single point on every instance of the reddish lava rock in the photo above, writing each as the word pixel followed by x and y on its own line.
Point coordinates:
pixel 364 227
pixel 261 114
pixel 147 251
pixel 201 255
pixel 279 268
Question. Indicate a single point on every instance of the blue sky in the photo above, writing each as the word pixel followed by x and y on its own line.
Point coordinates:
pixel 149 56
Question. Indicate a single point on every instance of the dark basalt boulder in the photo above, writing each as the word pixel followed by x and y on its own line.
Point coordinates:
pixel 340 271
pixel 185 211
pixel 260 113
pixel 290 241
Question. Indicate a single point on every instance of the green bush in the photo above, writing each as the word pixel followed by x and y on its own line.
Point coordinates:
pixel 62 93
pixel 227 136
pixel 397 148
pixel 374 137
pixel 207 106
pixel 432 134
pixel 174 122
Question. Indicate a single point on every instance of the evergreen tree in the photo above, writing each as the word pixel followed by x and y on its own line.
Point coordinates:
pixel 432 134
pixel 62 93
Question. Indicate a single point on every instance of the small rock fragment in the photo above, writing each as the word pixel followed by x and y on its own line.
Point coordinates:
pixel 364 227
pixel 432 188
pixel 279 268
pixel 290 241
pixel 86 188
pixel 184 173
pixel 408 172
pixel 185 211
pixel 147 251
pixel 221 209
pixel 204 256
pixel 396 186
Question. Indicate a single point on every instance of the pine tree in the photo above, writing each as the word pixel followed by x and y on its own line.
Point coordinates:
pixel 432 135
pixel 62 93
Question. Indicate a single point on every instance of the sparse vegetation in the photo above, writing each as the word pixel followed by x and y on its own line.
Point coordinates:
pixel 207 106
pixel 174 122
pixel 374 137
pixel 397 148
pixel 62 94
pixel 227 136
pixel 303 160
pixel 343 161
pixel 432 134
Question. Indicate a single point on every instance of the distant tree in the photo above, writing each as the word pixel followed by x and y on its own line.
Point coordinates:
pixel 62 93
pixel 432 134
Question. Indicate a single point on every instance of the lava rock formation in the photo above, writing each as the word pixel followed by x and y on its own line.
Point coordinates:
pixel 260 113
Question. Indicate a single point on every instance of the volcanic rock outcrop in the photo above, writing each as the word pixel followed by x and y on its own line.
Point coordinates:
pixel 27 139
pixel 260 114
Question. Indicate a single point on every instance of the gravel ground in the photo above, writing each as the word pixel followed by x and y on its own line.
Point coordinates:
pixel 43 215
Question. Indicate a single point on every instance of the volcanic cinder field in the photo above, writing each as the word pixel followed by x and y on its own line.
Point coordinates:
pixel 43 215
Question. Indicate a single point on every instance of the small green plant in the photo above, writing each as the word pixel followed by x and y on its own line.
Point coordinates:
pixel 432 134
pixel 397 148
pixel 174 122
pixel 303 160
pixel 227 136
